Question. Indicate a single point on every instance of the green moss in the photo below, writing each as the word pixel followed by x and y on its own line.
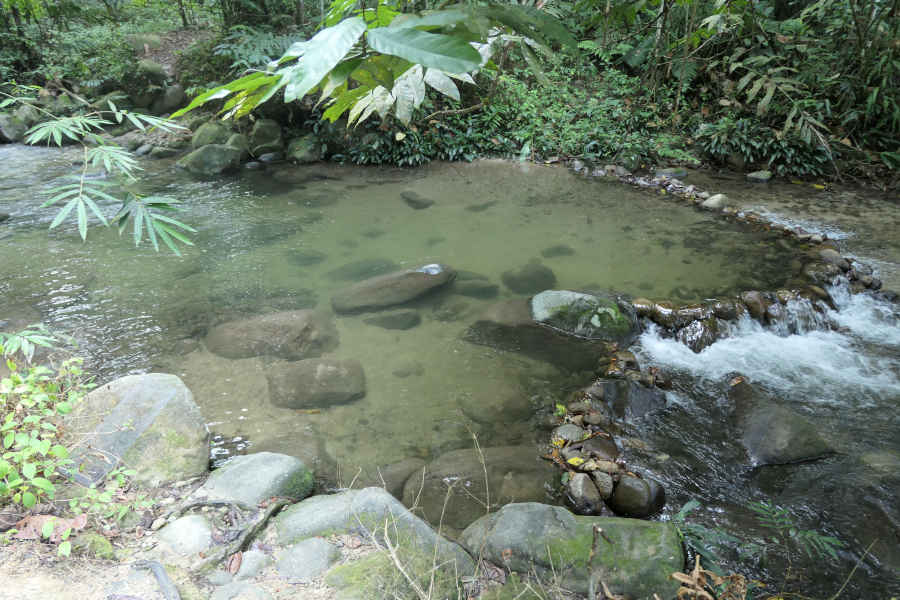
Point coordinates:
pixel 300 485
pixel 514 589
pixel 93 545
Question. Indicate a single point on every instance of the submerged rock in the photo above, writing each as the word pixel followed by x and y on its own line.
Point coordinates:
pixel 635 562
pixel 149 422
pixel 529 279
pixel 514 474
pixel 477 289
pixel 416 200
pixel 291 335
pixel 403 319
pixel 508 325
pixel 391 289
pixel 316 383
pixel 625 400
pixel 211 159
pixel 773 434
pixel 557 251
pixel 363 269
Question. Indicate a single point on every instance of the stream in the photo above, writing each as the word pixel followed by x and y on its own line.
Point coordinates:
pixel 291 237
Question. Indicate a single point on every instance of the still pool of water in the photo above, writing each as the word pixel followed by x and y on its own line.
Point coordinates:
pixel 289 238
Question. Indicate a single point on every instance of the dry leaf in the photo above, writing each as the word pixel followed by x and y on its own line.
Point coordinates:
pixel 31 527
pixel 234 562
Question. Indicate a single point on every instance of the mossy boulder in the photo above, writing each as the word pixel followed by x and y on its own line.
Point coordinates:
pixel 255 477
pixel 591 316
pixel 93 545
pixel 635 559
pixel 265 137
pixel 211 159
pixel 172 98
pixel 239 141
pixel 303 150
pixel 148 422
pixel 12 128
pixel 29 115
pixel 210 133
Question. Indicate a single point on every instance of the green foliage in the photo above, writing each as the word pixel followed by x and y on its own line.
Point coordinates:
pixel 251 48
pixel 758 144
pixel 26 341
pixel 32 404
pixel 788 534
pixel 199 64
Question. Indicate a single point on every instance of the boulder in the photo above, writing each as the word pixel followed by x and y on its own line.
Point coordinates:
pixel 316 383
pixel 12 128
pixel 636 561
pixel 391 289
pixel 591 316
pixel 31 116
pixel 210 133
pixel 239 141
pixel 391 477
pixel 415 200
pixel 252 478
pixel 163 152
pixel 304 150
pixel 402 319
pixel 148 422
pixel 186 535
pixel 759 176
pixel 715 202
pixel 292 335
pixel 699 334
pixel 514 474
pixel 172 98
pixel 508 325
pixel 306 560
pixel 636 497
pixel 773 434
pixel 211 159
pixel 582 495
pixel 529 279
pixel 265 137
pixel 363 512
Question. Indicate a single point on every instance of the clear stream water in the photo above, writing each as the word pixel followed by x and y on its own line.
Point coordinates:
pixel 133 311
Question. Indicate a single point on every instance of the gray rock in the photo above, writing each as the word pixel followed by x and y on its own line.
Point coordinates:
pixel 834 257
pixel 149 422
pixel 252 478
pixel 557 251
pixel 306 258
pixel 363 512
pixel 187 535
pixel 306 560
pixel 416 200
pixel 316 383
pixel 676 172
pixel 508 325
pixel 171 99
pixel 32 116
pixel 391 289
pixel 144 149
pixel 211 159
pixel 529 279
pixel 756 304
pixel 163 152
pixel 304 150
pixel 592 316
pixel 252 562
pixel 625 400
pixel 254 165
pixel 582 495
pixel 239 141
pixel 240 590
pixel 210 133
pixel 603 482
pixel 600 447
pixel 291 335
pixel 636 497
pixel 759 176
pixel 271 157
pixel 265 137
pixel 514 474
pixel 715 202
pixel 555 543
pixel 699 334
pixel 403 319
pixel 409 369
pixel 4 216
pixel 477 289
pixel 568 433
pixel 363 269
pixel 773 434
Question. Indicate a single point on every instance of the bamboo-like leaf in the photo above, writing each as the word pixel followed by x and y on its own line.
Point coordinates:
pixel 82 220
pixel 94 209
pixel 438 80
pixel 63 213
pixel 326 49
pixel 444 52
pixel 177 224
pixel 767 98
pixel 533 63
pixel 742 83
pixel 754 89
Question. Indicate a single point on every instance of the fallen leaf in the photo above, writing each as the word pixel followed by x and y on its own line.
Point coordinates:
pixel 30 527
pixel 234 563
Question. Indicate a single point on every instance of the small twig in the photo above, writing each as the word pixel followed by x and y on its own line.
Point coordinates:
pixel 244 538
pixel 456 111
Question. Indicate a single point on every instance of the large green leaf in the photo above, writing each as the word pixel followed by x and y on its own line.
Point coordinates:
pixel 439 81
pixel 323 53
pixel 443 52
pixel 438 18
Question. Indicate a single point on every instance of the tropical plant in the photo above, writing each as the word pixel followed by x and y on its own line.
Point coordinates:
pixel 379 60
pixel 27 340
pixel 81 195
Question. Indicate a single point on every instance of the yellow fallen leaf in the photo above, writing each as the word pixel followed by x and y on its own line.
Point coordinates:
pixel 576 461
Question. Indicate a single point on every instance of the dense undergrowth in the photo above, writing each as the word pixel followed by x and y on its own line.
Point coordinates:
pixel 802 88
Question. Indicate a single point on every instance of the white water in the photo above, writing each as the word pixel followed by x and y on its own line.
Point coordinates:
pixel 850 356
